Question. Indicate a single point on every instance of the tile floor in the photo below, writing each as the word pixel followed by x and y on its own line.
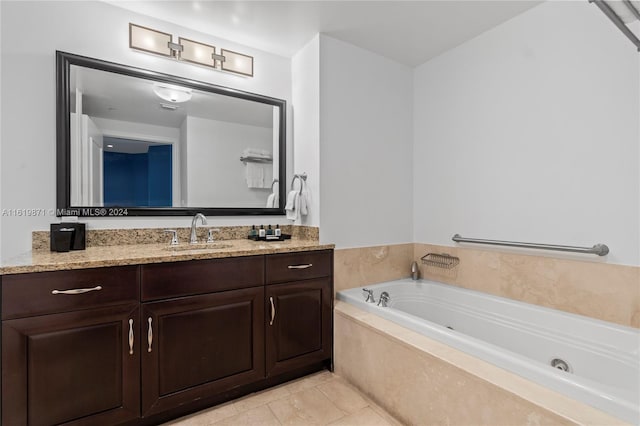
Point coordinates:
pixel 318 399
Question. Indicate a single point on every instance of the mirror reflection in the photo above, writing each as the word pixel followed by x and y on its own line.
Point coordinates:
pixel 142 143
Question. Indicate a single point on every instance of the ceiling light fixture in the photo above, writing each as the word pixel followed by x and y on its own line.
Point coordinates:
pixel 160 43
pixel 170 93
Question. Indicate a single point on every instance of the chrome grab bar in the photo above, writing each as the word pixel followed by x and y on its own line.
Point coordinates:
pixel 77 290
pixel 599 249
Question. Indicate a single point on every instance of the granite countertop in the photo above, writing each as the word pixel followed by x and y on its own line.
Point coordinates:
pixel 101 256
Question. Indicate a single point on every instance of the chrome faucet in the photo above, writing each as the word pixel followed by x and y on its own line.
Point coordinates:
pixel 384 299
pixel 194 224
pixel 369 294
pixel 414 271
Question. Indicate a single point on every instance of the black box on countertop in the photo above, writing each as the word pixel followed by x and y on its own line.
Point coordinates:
pixel 68 236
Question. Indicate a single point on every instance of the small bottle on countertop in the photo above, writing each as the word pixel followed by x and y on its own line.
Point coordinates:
pixel 253 231
pixel 277 232
pixel 261 232
pixel 269 231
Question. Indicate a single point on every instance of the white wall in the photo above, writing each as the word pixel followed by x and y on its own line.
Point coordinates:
pixel 530 132
pixel 30 34
pixel 213 156
pixel 365 147
pixel 305 81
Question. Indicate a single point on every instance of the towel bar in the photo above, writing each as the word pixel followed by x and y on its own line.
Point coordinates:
pixel 302 177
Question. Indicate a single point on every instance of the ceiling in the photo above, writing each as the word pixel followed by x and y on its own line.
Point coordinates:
pixel 409 32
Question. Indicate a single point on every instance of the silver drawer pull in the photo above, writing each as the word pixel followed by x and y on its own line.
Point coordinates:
pixel 273 311
pixel 308 265
pixel 150 335
pixel 77 290
pixel 130 336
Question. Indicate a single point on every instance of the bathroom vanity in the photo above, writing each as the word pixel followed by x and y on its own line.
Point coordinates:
pixel 143 343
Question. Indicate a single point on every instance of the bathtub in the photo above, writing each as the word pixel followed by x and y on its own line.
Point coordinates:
pixel 601 359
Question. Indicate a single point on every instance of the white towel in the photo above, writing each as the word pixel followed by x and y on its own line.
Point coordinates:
pixel 271 201
pixel 293 205
pixel 255 152
pixel 304 199
pixel 254 173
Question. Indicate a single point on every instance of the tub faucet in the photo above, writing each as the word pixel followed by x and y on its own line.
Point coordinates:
pixel 384 299
pixel 414 271
pixel 369 294
pixel 194 224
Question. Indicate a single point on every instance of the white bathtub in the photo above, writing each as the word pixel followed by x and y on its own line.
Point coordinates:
pixel 603 357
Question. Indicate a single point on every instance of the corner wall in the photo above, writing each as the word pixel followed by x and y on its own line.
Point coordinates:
pixel 365 147
pixel 305 116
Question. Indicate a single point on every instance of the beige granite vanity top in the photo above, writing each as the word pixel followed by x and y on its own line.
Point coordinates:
pixel 100 256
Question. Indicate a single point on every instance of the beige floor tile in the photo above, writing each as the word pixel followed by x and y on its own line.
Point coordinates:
pixel 259 416
pixel 308 407
pixel 261 398
pixel 342 395
pixel 206 417
pixel 363 417
pixel 309 381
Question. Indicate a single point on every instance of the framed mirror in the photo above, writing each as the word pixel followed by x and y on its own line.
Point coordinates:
pixel 136 142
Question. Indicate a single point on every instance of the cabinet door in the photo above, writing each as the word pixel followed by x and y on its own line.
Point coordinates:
pixel 298 318
pixel 201 346
pixel 78 367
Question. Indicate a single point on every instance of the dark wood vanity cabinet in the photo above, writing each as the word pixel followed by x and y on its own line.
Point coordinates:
pixel 63 363
pixel 204 326
pixel 299 300
pixel 155 340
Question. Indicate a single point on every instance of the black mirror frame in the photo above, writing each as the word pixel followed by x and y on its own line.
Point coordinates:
pixel 63 162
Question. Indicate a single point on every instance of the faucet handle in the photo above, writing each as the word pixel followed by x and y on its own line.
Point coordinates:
pixel 384 299
pixel 174 236
pixel 210 237
pixel 369 293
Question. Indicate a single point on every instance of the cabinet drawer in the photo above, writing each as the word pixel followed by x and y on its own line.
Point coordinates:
pixel 165 280
pixel 299 266
pixel 51 292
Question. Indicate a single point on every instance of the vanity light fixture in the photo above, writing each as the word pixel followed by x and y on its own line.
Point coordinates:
pixel 160 43
pixel 237 62
pixel 150 41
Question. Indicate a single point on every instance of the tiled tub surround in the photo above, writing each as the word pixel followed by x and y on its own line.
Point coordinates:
pixel 521 338
pixel 586 287
pixel 568 283
pixel 422 381
pixel 121 237
pixel 356 267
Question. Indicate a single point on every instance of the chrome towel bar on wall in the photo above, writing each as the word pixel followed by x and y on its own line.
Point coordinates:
pixel 598 249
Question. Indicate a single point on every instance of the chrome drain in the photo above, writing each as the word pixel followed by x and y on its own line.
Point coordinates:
pixel 561 364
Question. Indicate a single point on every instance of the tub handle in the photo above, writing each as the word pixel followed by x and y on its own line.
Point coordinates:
pixel 384 299
pixel 369 293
